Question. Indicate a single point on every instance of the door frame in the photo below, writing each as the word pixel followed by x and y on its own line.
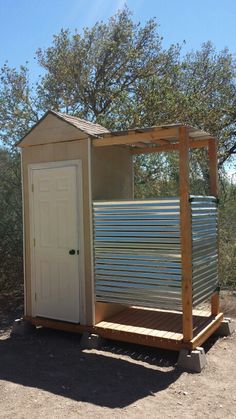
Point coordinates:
pixel 81 258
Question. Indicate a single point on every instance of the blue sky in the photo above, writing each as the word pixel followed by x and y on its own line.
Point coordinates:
pixel 29 24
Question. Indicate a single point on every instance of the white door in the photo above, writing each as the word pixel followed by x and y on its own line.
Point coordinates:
pixel 56 243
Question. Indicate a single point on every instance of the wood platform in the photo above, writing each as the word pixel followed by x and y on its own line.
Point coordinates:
pixel 156 328
pixel 161 329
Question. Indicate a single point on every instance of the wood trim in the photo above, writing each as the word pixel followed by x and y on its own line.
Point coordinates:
pixel 81 263
pixel 207 331
pixel 186 234
pixel 132 138
pixel 90 191
pixel 59 325
pixel 24 241
pixel 170 147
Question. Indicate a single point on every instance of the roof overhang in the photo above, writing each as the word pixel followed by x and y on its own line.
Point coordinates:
pixel 153 139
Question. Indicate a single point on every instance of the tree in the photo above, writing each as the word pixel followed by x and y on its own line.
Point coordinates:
pixel 11 246
pixel 18 107
pixel 95 75
pixel 118 74
pixel 201 92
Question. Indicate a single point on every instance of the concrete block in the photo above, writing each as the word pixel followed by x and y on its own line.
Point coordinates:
pixel 22 327
pixel 90 341
pixel 226 328
pixel 194 360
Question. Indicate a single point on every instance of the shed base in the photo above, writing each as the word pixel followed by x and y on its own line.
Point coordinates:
pixel 22 327
pixel 149 327
pixel 90 341
pixel 226 328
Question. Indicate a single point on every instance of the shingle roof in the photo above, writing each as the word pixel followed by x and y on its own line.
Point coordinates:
pixel 85 126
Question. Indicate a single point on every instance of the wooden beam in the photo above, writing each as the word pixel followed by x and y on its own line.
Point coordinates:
pixel 207 331
pixel 134 137
pixel 158 149
pixel 213 178
pixel 215 303
pixel 169 147
pixel 213 167
pixel 186 234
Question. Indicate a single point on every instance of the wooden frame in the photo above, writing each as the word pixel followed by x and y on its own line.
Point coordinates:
pixel 186 238
pixel 49 165
pixel 182 142
pixel 213 180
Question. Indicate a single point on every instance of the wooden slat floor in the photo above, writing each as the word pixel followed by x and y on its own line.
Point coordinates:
pixel 155 326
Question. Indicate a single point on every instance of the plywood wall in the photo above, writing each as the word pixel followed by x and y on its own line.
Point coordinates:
pixel 51 130
pixel 112 173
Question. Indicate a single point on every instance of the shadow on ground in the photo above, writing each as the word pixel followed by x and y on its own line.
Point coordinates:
pixel 53 361
pixel 115 377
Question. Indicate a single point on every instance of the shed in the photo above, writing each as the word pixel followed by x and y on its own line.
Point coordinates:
pixel 97 260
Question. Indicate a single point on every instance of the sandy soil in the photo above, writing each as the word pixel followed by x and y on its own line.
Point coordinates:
pixel 47 375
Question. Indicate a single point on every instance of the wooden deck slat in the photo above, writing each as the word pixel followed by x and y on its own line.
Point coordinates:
pixel 139 327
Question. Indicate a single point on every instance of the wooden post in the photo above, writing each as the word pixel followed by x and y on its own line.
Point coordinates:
pixel 213 178
pixel 186 234
pixel 213 167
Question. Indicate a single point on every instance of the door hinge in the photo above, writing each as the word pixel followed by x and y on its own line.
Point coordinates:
pixel 34 242
pixel 32 187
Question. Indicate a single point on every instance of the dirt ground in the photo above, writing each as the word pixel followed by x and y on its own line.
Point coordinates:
pixel 47 375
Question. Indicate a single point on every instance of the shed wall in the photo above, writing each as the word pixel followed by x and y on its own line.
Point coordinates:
pixel 112 173
pixel 52 130
pixel 52 153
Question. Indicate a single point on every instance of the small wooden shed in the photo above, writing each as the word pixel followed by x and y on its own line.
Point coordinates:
pixel 96 259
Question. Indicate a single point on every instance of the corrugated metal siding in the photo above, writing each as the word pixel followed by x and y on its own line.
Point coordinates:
pixel 137 252
pixel 204 247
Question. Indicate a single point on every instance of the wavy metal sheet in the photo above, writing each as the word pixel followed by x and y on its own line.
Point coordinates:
pixel 204 247
pixel 137 252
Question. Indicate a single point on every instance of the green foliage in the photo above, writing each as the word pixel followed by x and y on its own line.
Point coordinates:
pixel 11 263
pixel 118 74
pixel 95 73
pixel 18 109
pixel 227 230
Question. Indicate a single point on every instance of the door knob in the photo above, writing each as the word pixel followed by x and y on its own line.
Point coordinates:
pixel 72 252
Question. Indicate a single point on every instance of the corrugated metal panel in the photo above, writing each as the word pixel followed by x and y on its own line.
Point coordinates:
pixel 137 252
pixel 204 247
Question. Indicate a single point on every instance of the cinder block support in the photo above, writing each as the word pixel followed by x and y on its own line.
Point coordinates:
pixel 90 341
pixel 22 327
pixel 226 328
pixel 192 361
